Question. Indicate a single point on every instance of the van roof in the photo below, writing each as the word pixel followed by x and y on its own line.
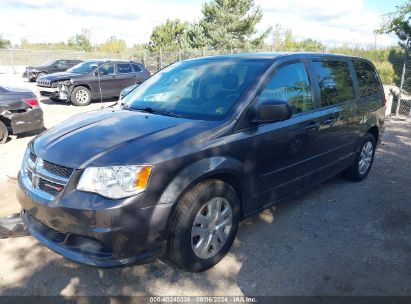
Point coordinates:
pixel 274 55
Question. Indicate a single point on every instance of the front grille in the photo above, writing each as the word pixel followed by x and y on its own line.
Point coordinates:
pixel 44 83
pixel 50 187
pixel 51 234
pixel 57 169
pixel 50 183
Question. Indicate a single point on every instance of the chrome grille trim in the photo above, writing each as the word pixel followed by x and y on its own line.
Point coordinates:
pixel 37 177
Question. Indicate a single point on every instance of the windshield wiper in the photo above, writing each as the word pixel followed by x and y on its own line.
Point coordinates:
pixel 152 111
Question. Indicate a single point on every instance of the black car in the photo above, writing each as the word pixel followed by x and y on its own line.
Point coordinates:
pixel 53 66
pixel 196 148
pixel 19 112
pixel 92 79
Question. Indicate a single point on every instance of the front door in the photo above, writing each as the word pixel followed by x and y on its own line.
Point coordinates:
pixel 278 155
pixel 106 80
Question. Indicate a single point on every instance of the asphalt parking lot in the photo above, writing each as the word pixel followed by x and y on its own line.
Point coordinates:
pixel 340 238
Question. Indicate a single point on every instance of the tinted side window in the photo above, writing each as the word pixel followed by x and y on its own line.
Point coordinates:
pixel 290 83
pixel 124 68
pixel 136 68
pixel 334 80
pixel 61 64
pixel 367 78
pixel 107 69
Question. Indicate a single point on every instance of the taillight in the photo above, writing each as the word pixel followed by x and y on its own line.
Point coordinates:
pixel 33 102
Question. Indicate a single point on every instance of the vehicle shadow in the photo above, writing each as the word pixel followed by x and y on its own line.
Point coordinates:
pixel 31 133
pixel 48 101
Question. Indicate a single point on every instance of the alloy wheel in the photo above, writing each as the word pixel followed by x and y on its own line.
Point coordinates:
pixel 82 96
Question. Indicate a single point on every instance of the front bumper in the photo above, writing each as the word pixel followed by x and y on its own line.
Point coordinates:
pixel 31 75
pixel 61 93
pixel 93 230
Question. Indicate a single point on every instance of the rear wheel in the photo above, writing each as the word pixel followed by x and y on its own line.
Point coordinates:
pixel 204 226
pixel 80 96
pixel 4 133
pixel 364 159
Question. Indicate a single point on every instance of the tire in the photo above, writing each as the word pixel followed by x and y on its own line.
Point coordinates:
pixel 188 229
pixel 4 133
pixel 80 96
pixel 363 161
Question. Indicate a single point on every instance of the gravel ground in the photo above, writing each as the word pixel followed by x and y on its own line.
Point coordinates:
pixel 340 238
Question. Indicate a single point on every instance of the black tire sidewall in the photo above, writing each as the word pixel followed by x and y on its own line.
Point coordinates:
pixel 5 132
pixel 73 96
pixel 188 259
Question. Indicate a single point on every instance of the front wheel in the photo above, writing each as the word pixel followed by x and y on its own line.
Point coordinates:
pixel 204 226
pixel 364 159
pixel 80 96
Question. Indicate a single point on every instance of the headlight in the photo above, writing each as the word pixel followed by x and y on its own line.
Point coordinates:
pixel 115 182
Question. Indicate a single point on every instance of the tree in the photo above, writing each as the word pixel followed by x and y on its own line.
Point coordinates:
pixel 113 45
pixel 172 35
pixel 4 43
pixel 399 22
pixel 310 45
pixel 81 41
pixel 231 24
pixel 196 37
pixel 289 43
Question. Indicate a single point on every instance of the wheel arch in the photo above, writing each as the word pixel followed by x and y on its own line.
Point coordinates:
pixel 227 170
pixel 374 131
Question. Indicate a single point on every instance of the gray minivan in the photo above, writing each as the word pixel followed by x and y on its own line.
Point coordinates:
pixel 194 149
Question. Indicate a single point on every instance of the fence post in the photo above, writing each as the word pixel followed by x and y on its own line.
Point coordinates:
pixel 404 69
pixel 161 59
pixel 12 60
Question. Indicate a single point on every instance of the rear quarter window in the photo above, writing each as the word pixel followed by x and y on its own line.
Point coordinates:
pixel 136 68
pixel 334 81
pixel 368 80
pixel 124 68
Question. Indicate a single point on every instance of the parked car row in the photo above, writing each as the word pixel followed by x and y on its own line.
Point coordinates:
pixel 92 79
pixel 73 81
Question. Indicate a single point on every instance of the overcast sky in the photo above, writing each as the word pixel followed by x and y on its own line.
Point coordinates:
pixel 348 21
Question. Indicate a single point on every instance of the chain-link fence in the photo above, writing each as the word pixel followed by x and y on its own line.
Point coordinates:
pixel 392 67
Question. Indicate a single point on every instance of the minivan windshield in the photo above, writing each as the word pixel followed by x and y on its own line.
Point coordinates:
pixel 197 89
pixel 84 67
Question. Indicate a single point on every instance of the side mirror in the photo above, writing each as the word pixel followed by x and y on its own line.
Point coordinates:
pixel 272 111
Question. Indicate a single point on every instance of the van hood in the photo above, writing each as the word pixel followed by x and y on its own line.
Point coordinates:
pixel 116 137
